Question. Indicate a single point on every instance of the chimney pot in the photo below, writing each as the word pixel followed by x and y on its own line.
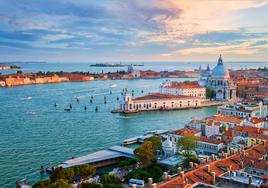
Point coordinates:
pixel 213 178
pixel 208 168
pixel 165 176
pixel 191 164
pixel 150 182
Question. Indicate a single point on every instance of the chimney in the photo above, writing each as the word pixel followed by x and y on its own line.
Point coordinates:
pixel 243 153
pixel 249 180
pixel 165 176
pixel 195 165
pixel 230 167
pixel 225 155
pixel 150 182
pixel 182 175
pixel 241 164
pixel 208 168
pixel 154 185
pixel 252 162
pixel 213 178
pixel 213 157
pixel 134 186
pixel 191 164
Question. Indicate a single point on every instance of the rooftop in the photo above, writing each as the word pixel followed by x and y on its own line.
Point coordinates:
pixel 182 85
pixel 185 132
pixel 161 96
pixel 203 173
pixel 230 119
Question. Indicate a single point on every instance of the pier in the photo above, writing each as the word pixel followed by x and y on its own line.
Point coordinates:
pixel 101 158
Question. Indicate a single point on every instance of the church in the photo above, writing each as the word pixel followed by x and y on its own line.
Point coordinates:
pixel 219 80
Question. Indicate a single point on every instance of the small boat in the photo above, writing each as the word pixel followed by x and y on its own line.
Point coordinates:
pixel 29 98
pixel 85 107
pixel 96 109
pixel 67 109
pixel 113 85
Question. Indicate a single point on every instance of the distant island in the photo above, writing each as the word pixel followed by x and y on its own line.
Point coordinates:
pixel 113 65
pixel 9 67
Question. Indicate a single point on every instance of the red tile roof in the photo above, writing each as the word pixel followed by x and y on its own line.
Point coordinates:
pixel 161 96
pixel 185 132
pixel 219 167
pixel 230 119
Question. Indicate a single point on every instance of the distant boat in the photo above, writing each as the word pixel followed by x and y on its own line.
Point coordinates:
pixel 113 85
pixel 29 98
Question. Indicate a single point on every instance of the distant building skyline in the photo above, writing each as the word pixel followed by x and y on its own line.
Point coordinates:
pixel 133 30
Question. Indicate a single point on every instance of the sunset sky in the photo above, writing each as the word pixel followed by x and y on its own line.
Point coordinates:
pixel 133 30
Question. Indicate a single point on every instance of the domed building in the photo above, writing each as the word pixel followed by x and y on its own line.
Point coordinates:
pixel 205 75
pixel 219 80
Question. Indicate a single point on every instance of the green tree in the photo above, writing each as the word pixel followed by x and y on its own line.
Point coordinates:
pixel 157 144
pixel 145 153
pixel 42 184
pixel 210 94
pixel 60 183
pixel 111 181
pixel 90 185
pixel 84 170
pixel 62 173
pixel 186 145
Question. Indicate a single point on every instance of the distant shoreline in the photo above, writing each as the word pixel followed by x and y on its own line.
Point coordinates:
pixel 19 79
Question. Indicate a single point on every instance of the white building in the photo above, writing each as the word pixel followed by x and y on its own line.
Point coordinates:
pixel 215 125
pixel 219 80
pixel 244 110
pixel 205 146
pixel 157 101
pixel 182 88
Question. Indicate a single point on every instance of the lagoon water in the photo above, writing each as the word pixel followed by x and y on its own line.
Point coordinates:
pixel 33 132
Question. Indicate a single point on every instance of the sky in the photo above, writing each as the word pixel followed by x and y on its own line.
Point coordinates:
pixel 133 30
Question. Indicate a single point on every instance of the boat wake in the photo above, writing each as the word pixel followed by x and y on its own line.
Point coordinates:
pixel 30 113
pixel 27 98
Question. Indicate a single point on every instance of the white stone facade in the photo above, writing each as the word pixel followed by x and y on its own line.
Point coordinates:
pixel 157 101
pixel 177 88
pixel 219 80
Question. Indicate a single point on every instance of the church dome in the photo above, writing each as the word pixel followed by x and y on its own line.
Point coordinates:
pixel 220 71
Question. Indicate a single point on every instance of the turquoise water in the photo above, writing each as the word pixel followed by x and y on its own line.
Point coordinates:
pixel 33 132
